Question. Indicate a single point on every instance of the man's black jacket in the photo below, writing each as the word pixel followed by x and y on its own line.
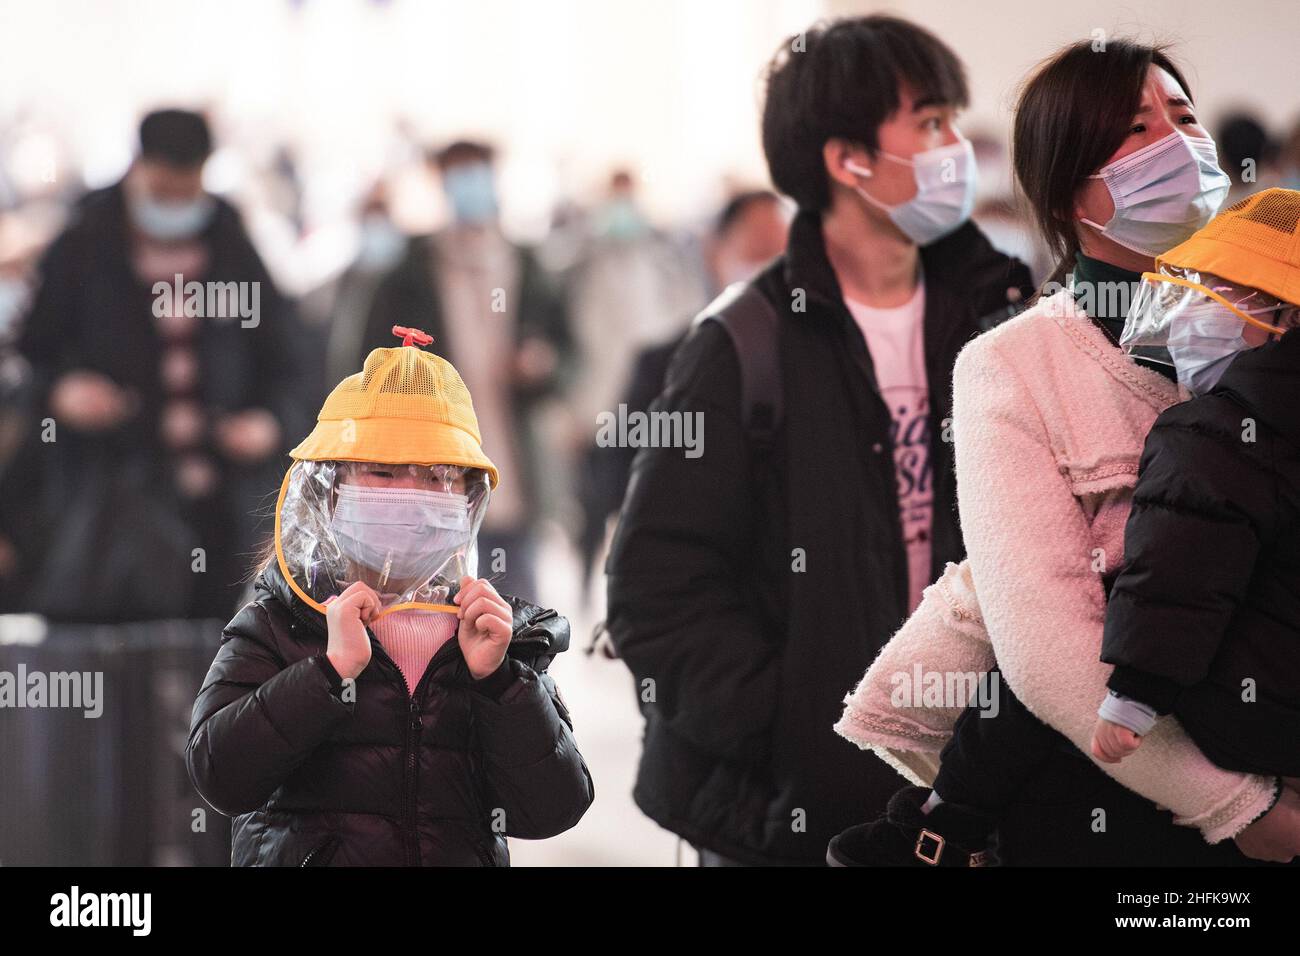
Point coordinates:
pixel 747 598
pixel 132 556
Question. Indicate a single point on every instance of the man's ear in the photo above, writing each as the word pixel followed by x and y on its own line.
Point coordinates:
pixel 836 152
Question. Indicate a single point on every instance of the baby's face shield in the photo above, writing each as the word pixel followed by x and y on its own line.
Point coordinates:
pixel 408 531
pixel 1198 322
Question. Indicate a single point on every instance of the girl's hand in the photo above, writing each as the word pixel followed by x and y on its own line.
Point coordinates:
pixel 347 616
pixel 485 626
pixel 1111 743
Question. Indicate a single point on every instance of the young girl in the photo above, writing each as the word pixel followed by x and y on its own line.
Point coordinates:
pixel 377 703
pixel 1203 618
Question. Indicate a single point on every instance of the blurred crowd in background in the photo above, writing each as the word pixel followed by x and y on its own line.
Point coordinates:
pixel 593 169
pixel 169 429
pixel 138 401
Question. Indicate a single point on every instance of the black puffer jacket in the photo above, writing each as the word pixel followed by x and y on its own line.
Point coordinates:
pixel 1209 596
pixel 441 779
pixel 747 598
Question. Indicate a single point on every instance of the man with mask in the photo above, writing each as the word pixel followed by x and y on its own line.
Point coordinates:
pixel 749 585
pixel 498 317
pixel 159 346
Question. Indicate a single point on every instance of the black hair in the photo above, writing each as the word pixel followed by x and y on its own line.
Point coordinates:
pixel 1242 137
pixel 461 151
pixel 842 79
pixel 738 205
pixel 176 137
pixel 1075 111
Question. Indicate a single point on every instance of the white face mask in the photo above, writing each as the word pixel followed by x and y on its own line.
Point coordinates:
pixel 170 221
pixel 1163 193
pixel 1204 340
pixel 945 191
pixel 406 535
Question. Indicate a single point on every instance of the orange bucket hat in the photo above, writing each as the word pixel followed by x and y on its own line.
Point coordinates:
pixel 1255 242
pixel 405 406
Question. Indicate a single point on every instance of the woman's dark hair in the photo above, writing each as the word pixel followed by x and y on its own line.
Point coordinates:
pixel 842 80
pixel 1074 112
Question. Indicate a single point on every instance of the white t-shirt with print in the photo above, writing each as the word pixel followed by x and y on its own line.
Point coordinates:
pixel 895 338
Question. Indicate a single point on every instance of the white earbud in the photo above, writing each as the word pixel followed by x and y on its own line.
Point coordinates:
pixel 857 170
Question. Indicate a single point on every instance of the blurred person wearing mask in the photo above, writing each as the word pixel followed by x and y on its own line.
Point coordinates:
pixel 1246 153
pixel 632 286
pixel 495 312
pixel 378 703
pixel 1208 600
pixel 1289 159
pixel 168 408
pixel 340 308
pixel 750 592
pixel 751 230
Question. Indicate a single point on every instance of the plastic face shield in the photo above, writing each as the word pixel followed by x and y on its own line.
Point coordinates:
pixel 1180 312
pixel 408 531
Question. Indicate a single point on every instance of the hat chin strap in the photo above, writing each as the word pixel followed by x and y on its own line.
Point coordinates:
pixel 1248 319
pixel 307 598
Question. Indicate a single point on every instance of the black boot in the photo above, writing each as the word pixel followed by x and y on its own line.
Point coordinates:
pixel 949 835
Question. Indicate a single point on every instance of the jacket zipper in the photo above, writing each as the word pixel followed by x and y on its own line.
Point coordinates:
pixel 411 833
pixel 410 785
pixel 307 860
pixel 410 788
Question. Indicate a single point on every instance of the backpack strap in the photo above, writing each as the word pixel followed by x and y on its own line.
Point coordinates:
pixel 751 322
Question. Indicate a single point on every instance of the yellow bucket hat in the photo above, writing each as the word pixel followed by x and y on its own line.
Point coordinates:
pixel 405 406
pixel 1255 243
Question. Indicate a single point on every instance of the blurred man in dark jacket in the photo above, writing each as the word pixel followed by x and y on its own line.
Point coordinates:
pixel 165 385
pixel 750 231
pixel 498 317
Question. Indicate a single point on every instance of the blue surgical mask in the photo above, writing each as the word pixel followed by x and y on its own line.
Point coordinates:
pixel 472 193
pixel 380 244
pixel 1163 193
pixel 170 221
pixel 946 179
pixel 1203 341
pixel 623 220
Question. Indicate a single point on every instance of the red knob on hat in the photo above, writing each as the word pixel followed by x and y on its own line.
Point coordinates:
pixel 412 336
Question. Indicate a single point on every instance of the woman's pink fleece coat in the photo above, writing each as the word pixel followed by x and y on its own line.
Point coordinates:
pixel 1049 419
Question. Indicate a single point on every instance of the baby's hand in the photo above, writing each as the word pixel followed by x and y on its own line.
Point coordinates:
pixel 1111 743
